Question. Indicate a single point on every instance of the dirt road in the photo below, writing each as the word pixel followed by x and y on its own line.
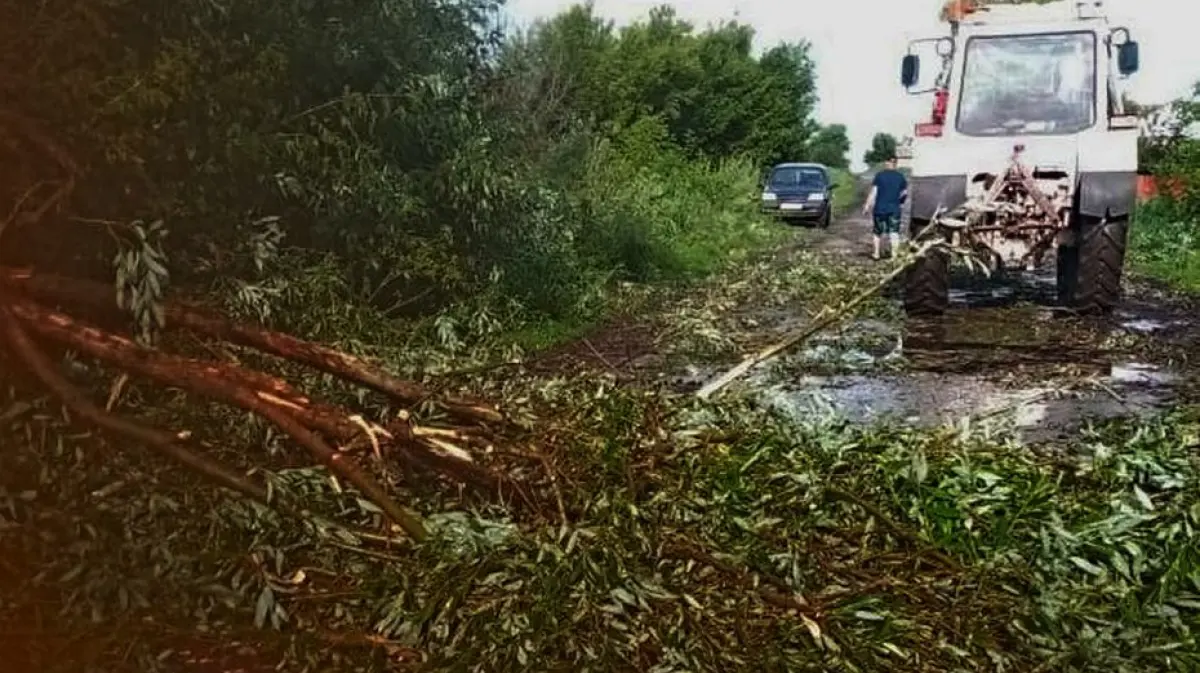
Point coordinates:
pixel 1004 351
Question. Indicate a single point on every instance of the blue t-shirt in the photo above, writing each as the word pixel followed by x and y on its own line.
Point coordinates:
pixel 889 187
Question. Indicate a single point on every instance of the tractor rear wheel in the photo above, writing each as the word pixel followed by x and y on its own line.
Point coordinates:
pixel 1099 266
pixel 927 283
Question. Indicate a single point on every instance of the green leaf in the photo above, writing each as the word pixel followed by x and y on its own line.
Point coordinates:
pixel 624 596
pixel 920 467
pixel 1087 566
pixel 263 607
pixel 1144 499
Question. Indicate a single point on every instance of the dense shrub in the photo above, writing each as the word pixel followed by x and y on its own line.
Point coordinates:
pixel 1166 232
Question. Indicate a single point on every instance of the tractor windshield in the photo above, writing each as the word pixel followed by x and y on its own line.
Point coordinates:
pixel 1028 84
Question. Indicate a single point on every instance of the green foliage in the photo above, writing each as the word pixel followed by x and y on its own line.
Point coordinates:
pixel 714 97
pixel 831 146
pixel 1166 233
pixel 671 218
pixel 848 192
pixel 752 542
pixel 141 278
pixel 1165 242
pixel 1088 565
pixel 1171 148
pixel 436 163
pixel 883 146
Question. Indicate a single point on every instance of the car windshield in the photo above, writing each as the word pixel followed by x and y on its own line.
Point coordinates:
pixel 1028 84
pixel 797 176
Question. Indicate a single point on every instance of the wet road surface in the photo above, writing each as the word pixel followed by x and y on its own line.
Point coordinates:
pixel 1004 351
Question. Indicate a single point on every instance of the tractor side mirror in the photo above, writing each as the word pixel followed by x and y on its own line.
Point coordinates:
pixel 910 70
pixel 1127 58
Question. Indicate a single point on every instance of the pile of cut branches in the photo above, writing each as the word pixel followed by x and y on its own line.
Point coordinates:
pixel 34 305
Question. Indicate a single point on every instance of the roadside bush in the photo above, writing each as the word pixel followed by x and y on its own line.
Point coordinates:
pixel 1165 242
pixel 1166 233
pixel 656 215
pixel 848 192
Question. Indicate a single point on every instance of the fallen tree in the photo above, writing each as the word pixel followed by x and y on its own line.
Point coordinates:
pixel 334 436
pixel 330 433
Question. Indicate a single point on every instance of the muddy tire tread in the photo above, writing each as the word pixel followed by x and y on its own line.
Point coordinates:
pixel 1100 266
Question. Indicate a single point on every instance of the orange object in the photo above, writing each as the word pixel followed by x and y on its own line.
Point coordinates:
pixel 955 10
pixel 1150 186
pixel 1145 187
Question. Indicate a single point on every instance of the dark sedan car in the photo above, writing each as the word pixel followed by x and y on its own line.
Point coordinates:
pixel 798 192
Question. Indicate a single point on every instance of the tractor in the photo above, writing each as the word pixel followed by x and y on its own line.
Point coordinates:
pixel 1028 151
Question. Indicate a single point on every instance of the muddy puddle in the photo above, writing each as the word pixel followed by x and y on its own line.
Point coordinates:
pixel 1003 353
pixel 1036 413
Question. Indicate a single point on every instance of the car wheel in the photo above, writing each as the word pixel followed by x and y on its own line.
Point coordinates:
pixel 827 219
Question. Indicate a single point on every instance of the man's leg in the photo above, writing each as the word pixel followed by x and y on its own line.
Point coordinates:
pixel 877 239
pixel 893 235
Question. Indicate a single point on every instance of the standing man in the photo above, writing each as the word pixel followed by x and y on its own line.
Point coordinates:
pixel 888 191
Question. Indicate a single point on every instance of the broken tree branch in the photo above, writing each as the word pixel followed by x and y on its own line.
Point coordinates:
pixel 327 419
pixel 166 443
pixel 97 296
pixel 207 382
pixel 827 317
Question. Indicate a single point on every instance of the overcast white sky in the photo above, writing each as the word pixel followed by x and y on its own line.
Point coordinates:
pixel 858 45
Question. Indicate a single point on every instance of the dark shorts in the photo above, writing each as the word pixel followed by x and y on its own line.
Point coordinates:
pixel 887 224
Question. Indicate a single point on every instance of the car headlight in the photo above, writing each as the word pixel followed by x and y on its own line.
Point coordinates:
pixel 816 197
pixel 769 196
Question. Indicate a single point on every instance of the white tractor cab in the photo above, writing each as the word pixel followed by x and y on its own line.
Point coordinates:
pixel 1029 148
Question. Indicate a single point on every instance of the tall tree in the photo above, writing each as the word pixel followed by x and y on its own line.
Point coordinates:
pixel 716 99
pixel 786 103
pixel 831 146
pixel 883 146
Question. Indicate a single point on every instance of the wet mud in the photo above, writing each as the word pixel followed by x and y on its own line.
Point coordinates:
pixel 1005 351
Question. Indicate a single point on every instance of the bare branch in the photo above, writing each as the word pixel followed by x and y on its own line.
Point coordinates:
pixel 209 380
pixel 166 443
pixel 89 294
